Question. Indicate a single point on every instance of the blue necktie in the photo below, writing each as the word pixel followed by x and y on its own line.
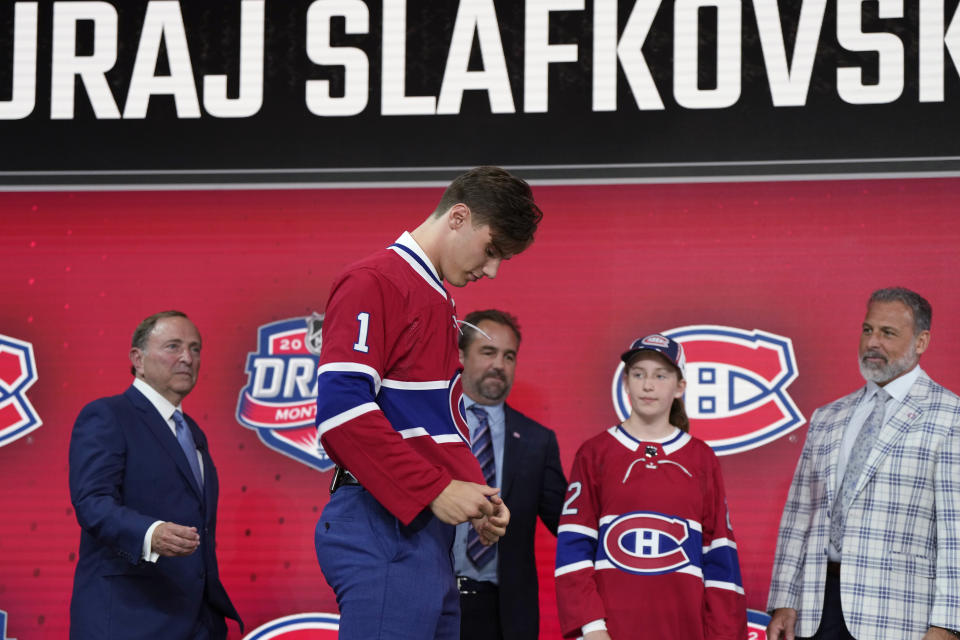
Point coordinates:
pixel 185 438
pixel 482 447
pixel 862 447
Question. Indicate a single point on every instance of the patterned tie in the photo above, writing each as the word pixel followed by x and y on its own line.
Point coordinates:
pixel 185 438
pixel 862 447
pixel 482 447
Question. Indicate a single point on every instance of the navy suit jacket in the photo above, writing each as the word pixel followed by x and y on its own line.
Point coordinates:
pixel 533 485
pixel 127 471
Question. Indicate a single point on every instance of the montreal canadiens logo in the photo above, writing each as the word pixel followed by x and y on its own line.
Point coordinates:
pixel 458 409
pixel 300 626
pixel 647 543
pixel 736 396
pixel 18 372
pixel 280 399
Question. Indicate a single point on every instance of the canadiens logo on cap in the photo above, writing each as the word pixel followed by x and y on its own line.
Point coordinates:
pixel 656 340
pixel 658 343
pixel 736 395
pixel 280 399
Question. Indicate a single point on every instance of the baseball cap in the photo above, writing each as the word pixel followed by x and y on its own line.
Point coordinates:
pixel 670 349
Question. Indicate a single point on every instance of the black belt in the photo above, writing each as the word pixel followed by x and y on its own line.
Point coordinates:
pixel 833 569
pixel 342 478
pixel 469 587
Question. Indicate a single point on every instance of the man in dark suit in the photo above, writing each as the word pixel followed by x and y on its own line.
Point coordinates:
pixel 498 585
pixel 145 490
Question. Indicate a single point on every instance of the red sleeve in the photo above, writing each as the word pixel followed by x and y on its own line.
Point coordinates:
pixel 725 613
pixel 364 321
pixel 578 600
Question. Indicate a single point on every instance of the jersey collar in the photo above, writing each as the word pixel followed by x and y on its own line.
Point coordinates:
pixel 408 249
pixel 669 443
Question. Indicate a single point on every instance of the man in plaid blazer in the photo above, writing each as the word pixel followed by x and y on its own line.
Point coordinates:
pixel 882 562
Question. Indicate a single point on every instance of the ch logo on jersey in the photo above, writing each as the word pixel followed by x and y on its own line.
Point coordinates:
pixel 458 410
pixel 280 399
pixel 300 626
pixel 757 622
pixel 647 543
pixel 18 372
pixel 736 396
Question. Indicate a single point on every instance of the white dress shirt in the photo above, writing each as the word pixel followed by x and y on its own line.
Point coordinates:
pixel 166 411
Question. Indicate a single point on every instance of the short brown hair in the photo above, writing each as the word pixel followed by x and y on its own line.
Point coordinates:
pixel 500 200
pixel 474 318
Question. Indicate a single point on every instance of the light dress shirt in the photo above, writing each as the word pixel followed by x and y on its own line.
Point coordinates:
pixel 166 411
pixel 497 421
pixel 898 389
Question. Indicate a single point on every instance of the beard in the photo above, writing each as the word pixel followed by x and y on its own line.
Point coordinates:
pixel 493 387
pixel 887 370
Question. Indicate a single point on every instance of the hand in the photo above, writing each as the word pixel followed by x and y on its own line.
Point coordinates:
pixel 597 635
pixel 937 633
pixel 173 540
pixel 492 528
pixel 461 501
pixel 782 624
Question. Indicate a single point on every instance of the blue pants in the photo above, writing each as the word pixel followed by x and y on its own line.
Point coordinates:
pixel 391 580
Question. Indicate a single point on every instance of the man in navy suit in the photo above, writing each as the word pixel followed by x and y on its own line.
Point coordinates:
pixel 498 585
pixel 145 490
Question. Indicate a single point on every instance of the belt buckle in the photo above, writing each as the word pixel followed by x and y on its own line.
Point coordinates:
pixel 462 581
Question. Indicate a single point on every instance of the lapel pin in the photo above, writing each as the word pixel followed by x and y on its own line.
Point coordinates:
pixel 516 435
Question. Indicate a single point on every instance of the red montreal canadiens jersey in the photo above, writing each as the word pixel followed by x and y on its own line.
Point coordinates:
pixel 388 384
pixel 646 544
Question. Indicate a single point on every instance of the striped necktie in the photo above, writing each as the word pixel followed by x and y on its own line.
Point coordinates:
pixel 862 447
pixel 482 448
pixel 185 438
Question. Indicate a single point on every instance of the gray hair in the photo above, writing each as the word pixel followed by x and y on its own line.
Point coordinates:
pixel 139 340
pixel 922 311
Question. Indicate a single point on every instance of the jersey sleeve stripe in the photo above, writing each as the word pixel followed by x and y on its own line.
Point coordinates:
pixel 727 586
pixel 345 417
pixel 718 543
pixel 570 568
pixel 577 528
pixel 449 438
pixel 352 367
pixel 341 391
pixel 721 565
pixel 430 385
pixel 691 569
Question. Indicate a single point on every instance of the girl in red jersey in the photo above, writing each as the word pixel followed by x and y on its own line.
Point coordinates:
pixel 645 548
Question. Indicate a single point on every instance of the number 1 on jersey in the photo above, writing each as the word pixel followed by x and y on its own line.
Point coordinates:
pixel 361 345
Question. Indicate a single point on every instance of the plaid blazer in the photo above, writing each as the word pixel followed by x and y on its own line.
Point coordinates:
pixel 901 544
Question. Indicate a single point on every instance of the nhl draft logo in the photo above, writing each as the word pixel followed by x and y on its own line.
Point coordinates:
pixel 18 372
pixel 300 626
pixel 644 542
pixel 736 396
pixel 280 399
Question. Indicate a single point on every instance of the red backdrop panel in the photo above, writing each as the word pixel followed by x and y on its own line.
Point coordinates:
pixel 610 263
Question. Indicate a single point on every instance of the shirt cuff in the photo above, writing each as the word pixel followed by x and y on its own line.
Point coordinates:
pixel 596 625
pixel 148 553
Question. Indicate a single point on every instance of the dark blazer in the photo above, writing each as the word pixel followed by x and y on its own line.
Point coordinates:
pixel 127 471
pixel 533 485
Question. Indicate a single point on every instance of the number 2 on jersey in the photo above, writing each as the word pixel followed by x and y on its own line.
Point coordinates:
pixel 575 488
pixel 361 345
